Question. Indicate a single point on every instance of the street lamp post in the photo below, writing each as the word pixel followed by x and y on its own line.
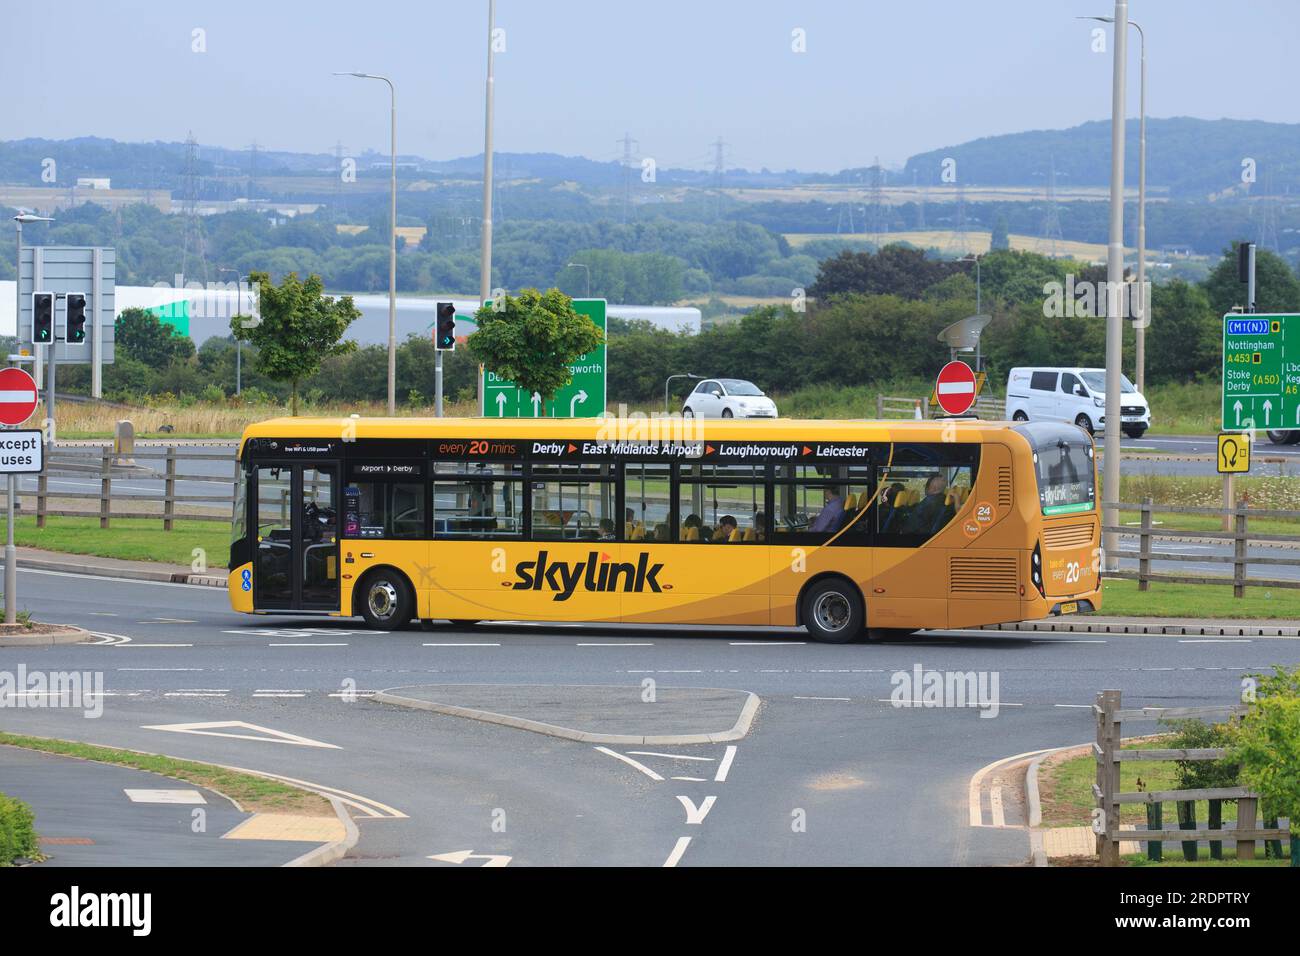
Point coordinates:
pixel 582 265
pixel 978 300
pixel 668 382
pixel 1143 317
pixel 485 250
pixel 392 241
pixel 1114 285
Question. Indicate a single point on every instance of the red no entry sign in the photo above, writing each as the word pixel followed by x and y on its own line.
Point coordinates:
pixel 17 396
pixel 955 388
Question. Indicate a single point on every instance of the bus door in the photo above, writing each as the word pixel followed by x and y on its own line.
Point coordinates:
pixel 295 508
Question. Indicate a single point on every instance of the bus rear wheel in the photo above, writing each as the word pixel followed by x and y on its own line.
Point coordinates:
pixel 384 600
pixel 832 611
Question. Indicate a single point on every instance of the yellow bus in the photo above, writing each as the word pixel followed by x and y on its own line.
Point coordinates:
pixel 851 529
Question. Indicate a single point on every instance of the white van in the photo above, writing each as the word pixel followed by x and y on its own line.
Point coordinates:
pixel 1076 395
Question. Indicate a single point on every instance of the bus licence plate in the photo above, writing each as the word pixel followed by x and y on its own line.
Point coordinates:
pixel 1070 607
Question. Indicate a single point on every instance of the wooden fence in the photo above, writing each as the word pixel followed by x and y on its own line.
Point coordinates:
pixel 1240 537
pixel 987 407
pixel 164 466
pixel 1110 797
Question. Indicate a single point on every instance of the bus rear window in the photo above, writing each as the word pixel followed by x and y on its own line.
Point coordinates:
pixel 1066 477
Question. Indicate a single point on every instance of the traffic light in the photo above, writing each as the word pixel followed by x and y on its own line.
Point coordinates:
pixel 444 338
pixel 75 333
pixel 42 318
pixel 1244 250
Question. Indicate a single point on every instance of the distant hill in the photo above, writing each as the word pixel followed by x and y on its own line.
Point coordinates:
pixel 1191 158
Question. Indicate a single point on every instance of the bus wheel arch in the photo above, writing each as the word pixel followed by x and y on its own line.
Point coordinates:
pixel 384 598
pixel 832 608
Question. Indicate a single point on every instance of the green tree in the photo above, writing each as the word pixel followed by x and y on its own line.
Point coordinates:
pixel 297 328
pixel 141 335
pixel 1266 744
pixel 1276 287
pixel 532 338
pixel 1000 239
pixel 1184 339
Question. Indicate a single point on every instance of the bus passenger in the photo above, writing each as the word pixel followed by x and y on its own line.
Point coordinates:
pixel 932 512
pixel 832 514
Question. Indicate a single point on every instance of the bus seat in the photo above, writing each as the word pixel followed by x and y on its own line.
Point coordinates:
pixel 750 535
pixel 850 502
pixel 628 528
pixel 735 536
pixel 691 534
pixel 638 532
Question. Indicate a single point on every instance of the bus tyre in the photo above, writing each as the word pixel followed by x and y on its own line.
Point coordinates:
pixel 385 600
pixel 832 611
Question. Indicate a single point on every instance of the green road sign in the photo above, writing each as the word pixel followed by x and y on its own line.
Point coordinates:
pixel 583 397
pixel 1261 381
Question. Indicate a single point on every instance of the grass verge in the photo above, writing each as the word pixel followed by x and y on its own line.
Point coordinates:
pixel 255 794
pixel 1123 599
pixel 133 539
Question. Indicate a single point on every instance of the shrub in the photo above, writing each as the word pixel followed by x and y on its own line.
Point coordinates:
pixel 17 831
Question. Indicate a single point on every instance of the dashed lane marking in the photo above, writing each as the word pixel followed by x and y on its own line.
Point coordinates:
pixel 617 644
pixel 797 697
pixel 445 644
pixel 307 645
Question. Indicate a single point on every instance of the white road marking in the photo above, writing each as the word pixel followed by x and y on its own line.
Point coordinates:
pixel 1066 641
pixel 261 694
pixel 74 574
pixel 922 704
pixel 651 753
pixel 355 693
pixel 767 643
pixel 460 856
pixel 1215 640
pixel 678 850
pixel 995 807
pixel 977 782
pixel 630 762
pixel 797 697
pixel 137 644
pixel 693 779
pixel 170 669
pixel 695 815
pixel 725 767
pixel 307 645
pixel 193 693
pixel 164 796
pixel 618 644
pixel 264 734
pixel 167 620
pixel 1080 706
pixel 461 645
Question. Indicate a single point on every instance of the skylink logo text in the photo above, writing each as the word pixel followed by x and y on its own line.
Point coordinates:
pixel 597 573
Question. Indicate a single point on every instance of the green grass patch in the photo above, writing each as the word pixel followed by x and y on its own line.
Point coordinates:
pixel 133 539
pixel 1203 859
pixel 254 794
pixel 1123 599
pixel 18 838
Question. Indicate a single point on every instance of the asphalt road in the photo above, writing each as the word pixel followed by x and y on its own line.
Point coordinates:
pixel 831 772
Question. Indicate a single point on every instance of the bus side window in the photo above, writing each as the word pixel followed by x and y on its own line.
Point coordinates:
pixel 916 503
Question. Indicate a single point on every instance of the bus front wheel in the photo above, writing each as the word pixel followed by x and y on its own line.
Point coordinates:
pixel 384 600
pixel 832 611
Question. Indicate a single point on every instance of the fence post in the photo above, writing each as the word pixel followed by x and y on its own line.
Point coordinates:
pixel 1187 821
pixel 880 405
pixel 1247 808
pixel 169 489
pixel 1215 822
pixel 1108 786
pixel 42 485
pixel 1239 551
pixel 1144 549
pixel 1155 848
pixel 105 486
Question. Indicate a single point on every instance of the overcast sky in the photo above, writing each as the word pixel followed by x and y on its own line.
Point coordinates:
pixel 887 79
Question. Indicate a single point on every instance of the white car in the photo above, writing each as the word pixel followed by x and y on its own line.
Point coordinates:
pixel 728 398
pixel 1075 395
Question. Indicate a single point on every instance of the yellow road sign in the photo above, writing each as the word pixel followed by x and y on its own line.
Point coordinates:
pixel 1234 453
